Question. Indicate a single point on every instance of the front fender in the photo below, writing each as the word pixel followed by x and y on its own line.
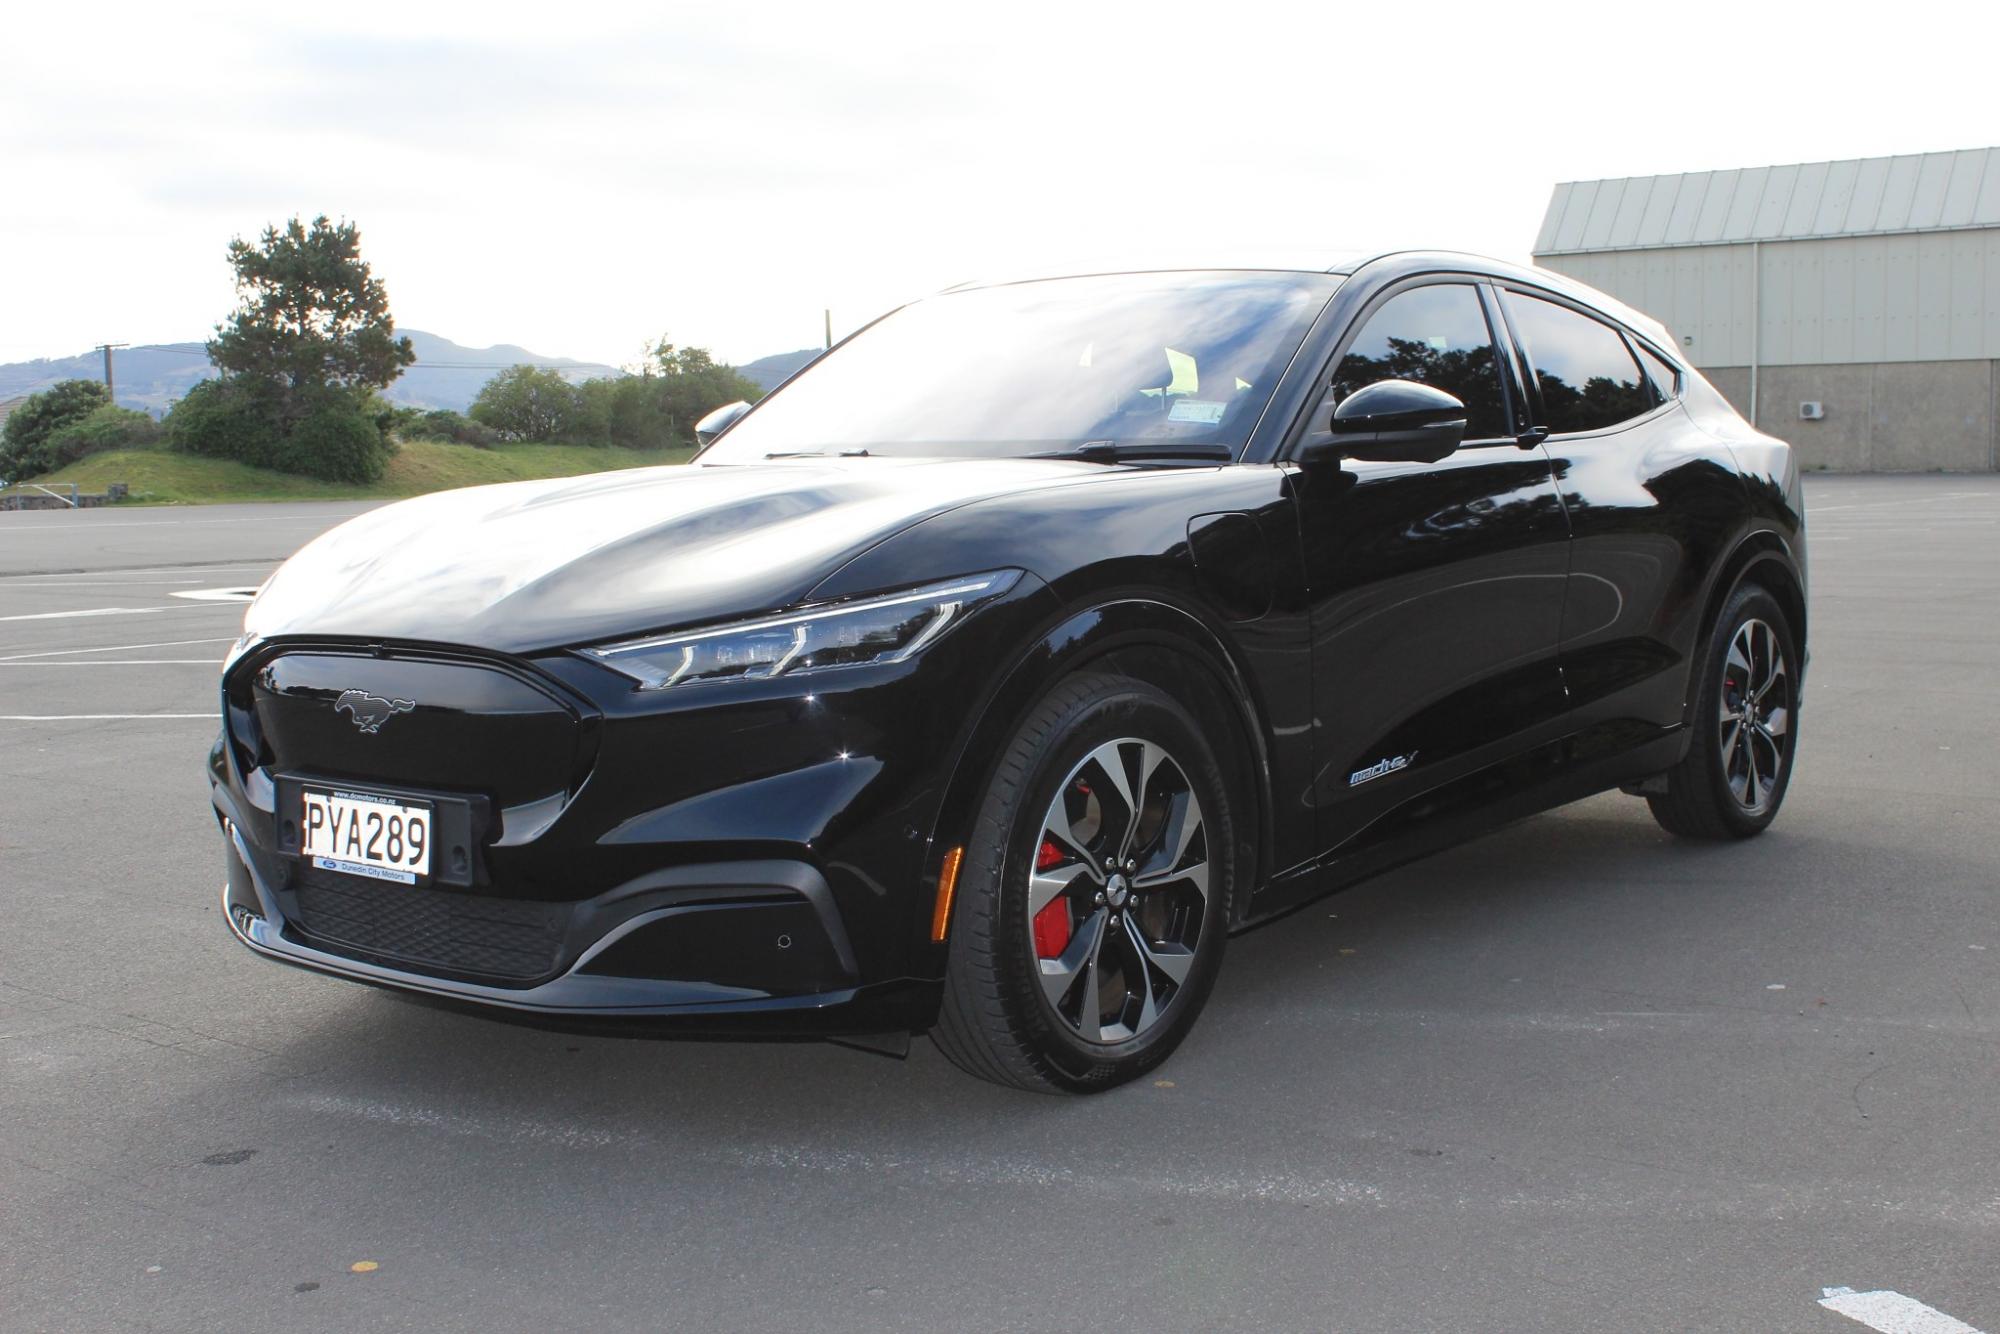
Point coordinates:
pixel 1134 632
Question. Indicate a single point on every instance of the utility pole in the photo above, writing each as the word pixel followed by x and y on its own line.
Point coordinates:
pixel 105 348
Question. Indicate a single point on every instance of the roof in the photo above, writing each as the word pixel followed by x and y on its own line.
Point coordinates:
pixel 1266 259
pixel 1346 263
pixel 1854 197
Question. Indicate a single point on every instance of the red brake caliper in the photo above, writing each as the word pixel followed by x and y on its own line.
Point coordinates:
pixel 1052 922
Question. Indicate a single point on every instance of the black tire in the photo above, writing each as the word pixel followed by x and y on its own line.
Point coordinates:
pixel 1724 788
pixel 1010 1012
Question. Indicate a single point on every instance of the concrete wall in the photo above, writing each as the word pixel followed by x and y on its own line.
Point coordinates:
pixel 26 500
pixel 1909 416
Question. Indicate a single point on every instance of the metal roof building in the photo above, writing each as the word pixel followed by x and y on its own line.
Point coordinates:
pixel 1854 304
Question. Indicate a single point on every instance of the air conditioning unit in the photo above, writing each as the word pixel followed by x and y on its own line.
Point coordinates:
pixel 1811 411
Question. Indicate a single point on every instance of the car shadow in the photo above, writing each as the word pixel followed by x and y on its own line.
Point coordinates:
pixel 1591 896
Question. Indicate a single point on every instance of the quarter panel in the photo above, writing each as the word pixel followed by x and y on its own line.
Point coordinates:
pixel 1655 507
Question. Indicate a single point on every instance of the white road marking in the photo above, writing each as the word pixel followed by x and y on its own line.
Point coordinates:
pixel 107 611
pixel 192 567
pixel 123 662
pixel 112 648
pixel 62 529
pixel 948 1170
pixel 95 717
pixel 93 611
pixel 217 594
pixel 1891 1312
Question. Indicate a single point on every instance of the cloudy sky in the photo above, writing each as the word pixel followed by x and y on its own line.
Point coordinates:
pixel 578 178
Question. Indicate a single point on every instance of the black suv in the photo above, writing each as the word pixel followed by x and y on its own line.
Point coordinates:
pixel 984 677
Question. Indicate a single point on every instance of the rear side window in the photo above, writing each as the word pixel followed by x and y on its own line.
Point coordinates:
pixel 1588 377
pixel 1657 370
pixel 1435 336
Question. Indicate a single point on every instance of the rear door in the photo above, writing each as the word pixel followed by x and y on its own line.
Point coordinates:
pixel 1654 503
pixel 1436 588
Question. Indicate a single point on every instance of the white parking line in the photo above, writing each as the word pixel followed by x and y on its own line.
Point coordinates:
pixel 217 594
pixel 123 662
pixel 113 611
pixel 29 530
pixel 93 611
pixel 113 648
pixel 193 567
pixel 95 717
pixel 1891 1312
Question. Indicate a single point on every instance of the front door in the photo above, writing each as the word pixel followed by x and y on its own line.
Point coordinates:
pixel 1436 588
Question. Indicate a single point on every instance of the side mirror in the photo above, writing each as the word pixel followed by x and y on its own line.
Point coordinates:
pixel 1390 421
pixel 718 421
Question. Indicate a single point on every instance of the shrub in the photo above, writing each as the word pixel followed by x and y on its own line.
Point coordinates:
pixel 108 427
pixel 24 439
pixel 458 429
pixel 532 403
pixel 636 410
pixel 337 441
pixel 222 419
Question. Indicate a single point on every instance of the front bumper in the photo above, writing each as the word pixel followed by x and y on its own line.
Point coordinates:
pixel 767 922
pixel 749 857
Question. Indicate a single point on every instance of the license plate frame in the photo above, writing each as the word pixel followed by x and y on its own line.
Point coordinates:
pixel 458 823
pixel 367 834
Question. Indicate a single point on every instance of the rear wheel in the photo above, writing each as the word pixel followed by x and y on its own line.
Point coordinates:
pixel 1745 719
pixel 1093 898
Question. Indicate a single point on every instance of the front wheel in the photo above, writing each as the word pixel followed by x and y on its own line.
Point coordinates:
pixel 1745 720
pixel 1093 899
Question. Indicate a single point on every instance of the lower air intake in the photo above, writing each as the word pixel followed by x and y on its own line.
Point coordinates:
pixel 433 930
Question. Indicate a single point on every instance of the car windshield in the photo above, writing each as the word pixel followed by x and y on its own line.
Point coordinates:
pixel 1172 360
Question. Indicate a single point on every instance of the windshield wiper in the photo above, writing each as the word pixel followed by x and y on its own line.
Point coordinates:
pixel 817 454
pixel 1120 451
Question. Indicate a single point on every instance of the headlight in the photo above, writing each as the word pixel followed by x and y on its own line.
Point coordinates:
pixel 880 629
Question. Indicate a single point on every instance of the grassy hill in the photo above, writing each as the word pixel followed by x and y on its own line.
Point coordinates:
pixel 420 466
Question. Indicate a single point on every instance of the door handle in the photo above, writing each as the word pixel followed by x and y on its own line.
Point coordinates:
pixel 1531 437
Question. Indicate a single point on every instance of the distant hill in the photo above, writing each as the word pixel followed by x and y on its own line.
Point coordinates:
pixel 446 374
pixel 768 371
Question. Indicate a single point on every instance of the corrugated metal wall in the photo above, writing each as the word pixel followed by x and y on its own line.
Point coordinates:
pixel 1927 296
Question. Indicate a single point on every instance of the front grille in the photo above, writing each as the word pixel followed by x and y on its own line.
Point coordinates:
pixel 431 929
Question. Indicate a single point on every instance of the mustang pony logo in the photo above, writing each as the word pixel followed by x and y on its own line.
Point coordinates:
pixel 371 711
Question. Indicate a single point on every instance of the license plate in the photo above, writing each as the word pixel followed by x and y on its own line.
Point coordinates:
pixel 363 834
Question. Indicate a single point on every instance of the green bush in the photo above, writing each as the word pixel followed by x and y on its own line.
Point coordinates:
pixel 108 427
pixel 221 419
pixel 453 427
pixel 24 440
pixel 338 441
pixel 635 410
pixel 533 403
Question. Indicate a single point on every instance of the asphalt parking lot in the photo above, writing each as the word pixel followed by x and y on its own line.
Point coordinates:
pixel 1574 1076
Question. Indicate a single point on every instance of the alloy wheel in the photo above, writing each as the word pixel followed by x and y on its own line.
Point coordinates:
pixel 1118 895
pixel 1755 714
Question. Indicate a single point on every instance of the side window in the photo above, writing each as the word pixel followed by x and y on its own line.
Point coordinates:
pixel 1663 376
pixel 1438 336
pixel 1588 377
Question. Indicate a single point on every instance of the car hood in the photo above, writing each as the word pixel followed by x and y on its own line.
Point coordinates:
pixel 527 565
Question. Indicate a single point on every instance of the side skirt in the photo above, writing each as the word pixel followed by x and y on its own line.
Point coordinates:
pixel 1603 758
